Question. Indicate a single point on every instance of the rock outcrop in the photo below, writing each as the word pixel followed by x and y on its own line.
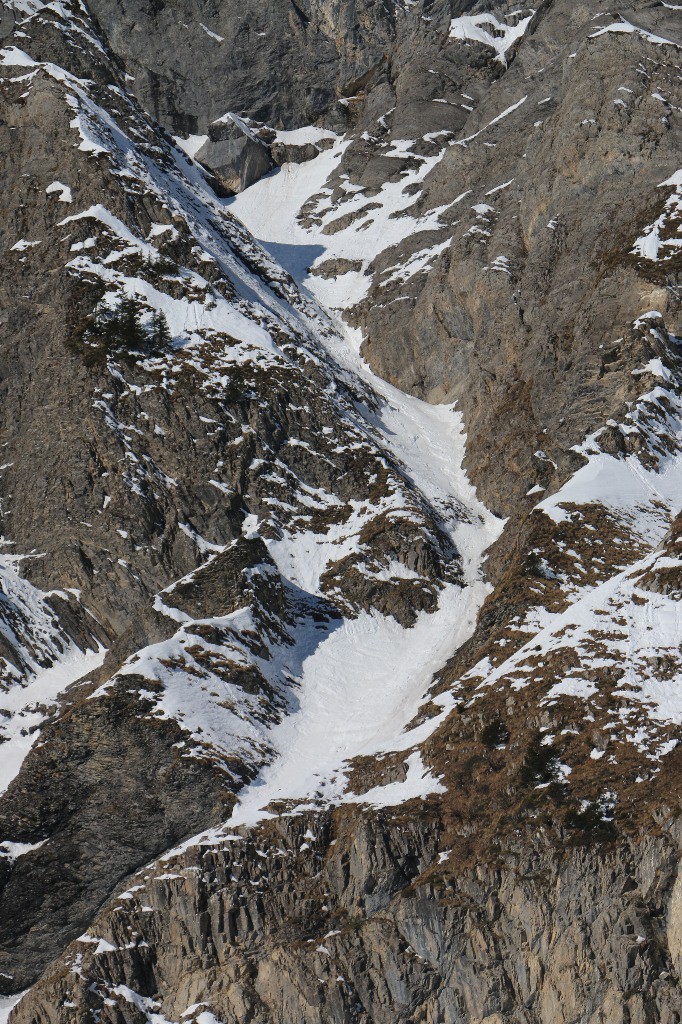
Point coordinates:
pixel 334 919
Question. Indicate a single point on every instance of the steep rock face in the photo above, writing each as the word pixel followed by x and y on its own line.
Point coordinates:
pixel 106 790
pixel 192 67
pixel 526 314
pixel 334 919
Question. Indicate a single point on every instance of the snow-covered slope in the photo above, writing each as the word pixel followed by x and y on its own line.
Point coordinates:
pixel 611 642
pixel 352 229
pixel 39 660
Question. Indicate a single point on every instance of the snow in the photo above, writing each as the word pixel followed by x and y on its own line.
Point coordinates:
pixel 271 207
pixel 500 188
pixel 244 124
pixel 624 486
pixel 22 245
pixel 628 28
pixel 572 687
pixel 103 945
pixel 500 117
pixel 211 34
pixel 418 263
pixel 213 313
pixel 501 265
pixel 485 28
pixel 401 148
pixel 12 56
pixel 354 686
pixel 48 662
pixel 303 136
pixel 192 144
pixel 26 7
pixel 223 720
pixel 100 213
pixel 190 318
pixel 23 702
pixel 351 687
pixel 650 245
pixel 418 784
pixel 143 1004
pixel 65 194
pixel 7 1004
pixel 644 497
pixel 12 851
pixel 305 555
pixel 370 674
pixel 358 691
pixel 183 191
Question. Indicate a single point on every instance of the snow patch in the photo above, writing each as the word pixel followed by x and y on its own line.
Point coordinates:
pixel 485 28
pixel 65 194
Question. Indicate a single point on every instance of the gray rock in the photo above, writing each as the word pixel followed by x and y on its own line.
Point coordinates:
pixel 235 154
pixel 365 921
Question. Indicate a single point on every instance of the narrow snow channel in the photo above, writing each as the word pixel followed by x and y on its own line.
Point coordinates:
pixel 25 706
pixel 7 1004
pixel 361 687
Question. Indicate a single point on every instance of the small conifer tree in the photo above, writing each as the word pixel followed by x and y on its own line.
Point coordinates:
pixel 160 334
pixel 127 327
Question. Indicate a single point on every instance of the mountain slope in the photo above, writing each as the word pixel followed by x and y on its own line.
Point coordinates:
pixel 235 514
pixel 295 727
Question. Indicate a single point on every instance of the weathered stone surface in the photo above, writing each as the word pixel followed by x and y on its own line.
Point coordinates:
pixel 282 63
pixel 236 155
pixel 335 918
